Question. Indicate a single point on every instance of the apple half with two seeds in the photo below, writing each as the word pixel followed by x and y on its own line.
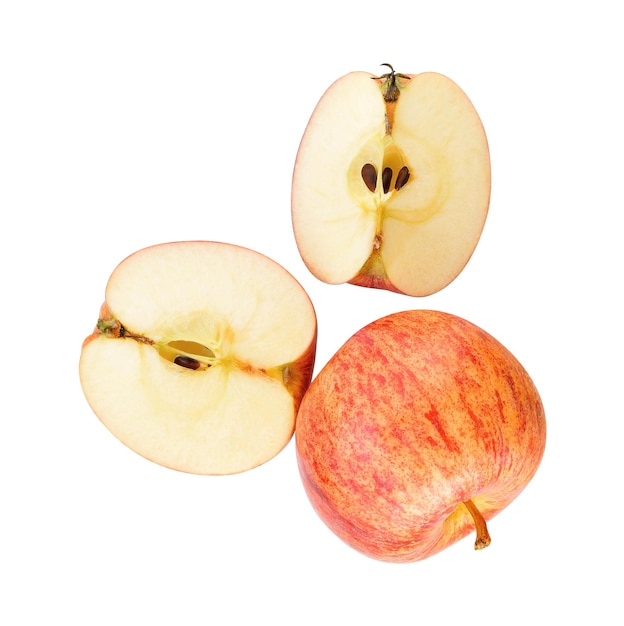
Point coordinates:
pixel 391 185
pixel 201 356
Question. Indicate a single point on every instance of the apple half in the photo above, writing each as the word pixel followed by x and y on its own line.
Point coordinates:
pixel 391 185
pixel 201 355
pixel 417 432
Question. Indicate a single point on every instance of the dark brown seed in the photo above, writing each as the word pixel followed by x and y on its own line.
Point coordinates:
pixel 187 361
pixel 369 176
pixel 402 178
pixel 386 179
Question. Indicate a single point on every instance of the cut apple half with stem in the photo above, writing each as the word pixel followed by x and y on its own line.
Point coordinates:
pixel 201 355
pixel 391 185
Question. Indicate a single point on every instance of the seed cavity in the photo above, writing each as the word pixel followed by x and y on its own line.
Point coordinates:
pixel 402 178
pixel 188 354
pixel 193 347
pixel 369 176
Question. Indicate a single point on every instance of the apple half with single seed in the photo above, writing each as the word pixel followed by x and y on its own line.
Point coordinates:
pixel 391 185
pixel 419 430
pixel 201 355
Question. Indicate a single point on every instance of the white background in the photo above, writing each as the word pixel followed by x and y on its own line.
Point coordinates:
pixel 125 124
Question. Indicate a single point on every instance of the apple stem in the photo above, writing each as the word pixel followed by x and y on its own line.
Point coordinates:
pixel 391 89
pixel 483 536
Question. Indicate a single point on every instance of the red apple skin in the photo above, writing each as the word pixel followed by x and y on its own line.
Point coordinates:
pixel 417 413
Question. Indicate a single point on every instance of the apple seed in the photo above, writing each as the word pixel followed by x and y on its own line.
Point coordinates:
pixel 369 176
pixel 386 179
pixel 402 178
pixel 187 361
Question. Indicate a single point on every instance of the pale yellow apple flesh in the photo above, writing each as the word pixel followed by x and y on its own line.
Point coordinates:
pixel 419 430
pixel 391 194
pixel 201 356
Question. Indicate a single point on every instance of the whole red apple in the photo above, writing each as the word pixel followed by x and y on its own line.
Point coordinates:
pixel 417 431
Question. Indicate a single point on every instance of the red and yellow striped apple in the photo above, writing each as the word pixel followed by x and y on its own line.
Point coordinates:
pixel 201 355
pixel 391 185
pixel 418 431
